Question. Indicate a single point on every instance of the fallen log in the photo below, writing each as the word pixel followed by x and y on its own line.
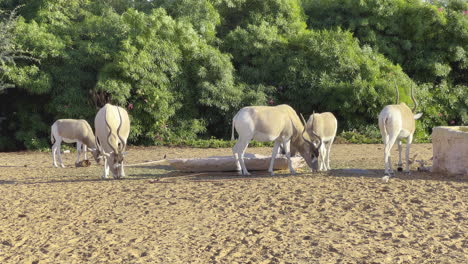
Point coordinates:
pixel 253 162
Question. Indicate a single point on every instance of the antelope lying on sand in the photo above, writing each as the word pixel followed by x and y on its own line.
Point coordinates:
pixel 324 125
pixel 396 122
pixel 273 123
pixel 71 131
pixel 112 129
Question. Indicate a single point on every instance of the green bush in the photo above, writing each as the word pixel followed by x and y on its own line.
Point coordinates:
pixel 369 134
pixel 212 143
pixel 183 68
pixel 401 31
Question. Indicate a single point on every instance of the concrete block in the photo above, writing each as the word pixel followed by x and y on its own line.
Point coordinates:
pixel 450 149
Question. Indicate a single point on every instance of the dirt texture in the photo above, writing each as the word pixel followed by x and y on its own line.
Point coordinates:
pixel 158 215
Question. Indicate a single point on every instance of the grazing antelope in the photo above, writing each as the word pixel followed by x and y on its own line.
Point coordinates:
pixel 324 125
pixel 71 131
pixel 396 122
pixel 112 129
pixel 273 123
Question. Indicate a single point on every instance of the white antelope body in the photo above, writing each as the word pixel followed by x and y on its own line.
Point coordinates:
pixel 397 122
pixel 112 129
pixel 324 125
pixel 273 123
pixel 71 131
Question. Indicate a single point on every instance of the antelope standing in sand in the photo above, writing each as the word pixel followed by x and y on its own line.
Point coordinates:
pixel 397 122
pixel 273 123
pixel 71 131
pixel 112 129
pixel 324 125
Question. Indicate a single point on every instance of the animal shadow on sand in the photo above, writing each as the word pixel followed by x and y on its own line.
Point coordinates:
pixel 415 175
pixel 165 173
pixel 172 175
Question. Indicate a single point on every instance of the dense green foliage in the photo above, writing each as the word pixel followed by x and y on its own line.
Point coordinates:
pixel 182 68
pixel 429 41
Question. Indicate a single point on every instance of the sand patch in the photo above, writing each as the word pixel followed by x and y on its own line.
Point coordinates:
pixel 157 215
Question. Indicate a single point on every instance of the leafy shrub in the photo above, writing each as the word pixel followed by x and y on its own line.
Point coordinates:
pixel 212 143
pixel 369 134
pixel 183 68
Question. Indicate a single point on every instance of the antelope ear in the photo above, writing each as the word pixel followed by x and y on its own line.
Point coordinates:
pixel 417 116
pixel 316 143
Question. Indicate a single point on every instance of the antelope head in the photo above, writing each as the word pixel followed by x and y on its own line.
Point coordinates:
pixel 116 157
pixel 311 147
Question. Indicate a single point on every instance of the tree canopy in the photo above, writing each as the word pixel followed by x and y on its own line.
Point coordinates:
pixel 182 68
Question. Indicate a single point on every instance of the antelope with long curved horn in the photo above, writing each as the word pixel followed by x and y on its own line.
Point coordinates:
pixel 397 122
pixel 323 126
pixel 273 123
pixel 112 129
pixel 70 131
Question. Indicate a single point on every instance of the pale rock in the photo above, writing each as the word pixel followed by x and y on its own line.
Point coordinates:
pixel 450 150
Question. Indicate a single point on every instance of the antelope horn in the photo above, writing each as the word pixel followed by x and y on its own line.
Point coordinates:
pixel 305 139
pixel 303 119
pixel 313 133
pixel 123 144
pixel 397 93
pixel 319 138
pixel 414 100
pixel 98 145
pixel 304 130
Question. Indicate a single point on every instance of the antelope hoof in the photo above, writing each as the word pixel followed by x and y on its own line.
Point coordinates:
pixel 61 165
pixel 400 169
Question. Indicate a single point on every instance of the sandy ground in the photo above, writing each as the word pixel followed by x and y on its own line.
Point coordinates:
pixel 157 215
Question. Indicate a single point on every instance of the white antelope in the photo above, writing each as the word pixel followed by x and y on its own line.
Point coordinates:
pixel 324 125
pixel 273 123
pixel 71 131
pixel 112 129
pixel 397 122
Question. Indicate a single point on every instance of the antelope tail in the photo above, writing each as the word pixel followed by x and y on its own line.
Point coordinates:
pixel 383 127
pixel 232 134
pixel 52 138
